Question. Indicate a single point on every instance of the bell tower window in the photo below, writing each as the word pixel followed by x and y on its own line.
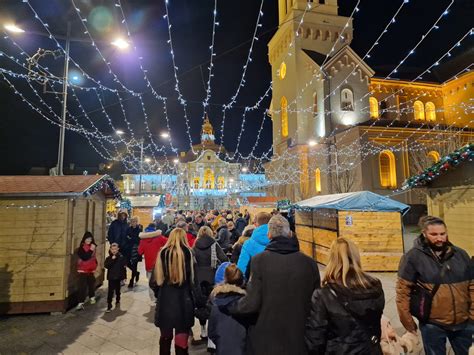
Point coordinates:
pixel 347 100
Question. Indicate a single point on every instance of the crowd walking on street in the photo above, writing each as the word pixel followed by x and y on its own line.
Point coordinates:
pixel 254 292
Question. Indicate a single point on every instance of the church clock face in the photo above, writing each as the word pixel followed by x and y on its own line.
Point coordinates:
pixel 282 71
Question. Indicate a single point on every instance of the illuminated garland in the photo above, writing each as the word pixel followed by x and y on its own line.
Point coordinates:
pixel 104 184
pixel 447 163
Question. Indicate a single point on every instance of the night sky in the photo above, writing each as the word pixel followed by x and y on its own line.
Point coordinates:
pixel 28 140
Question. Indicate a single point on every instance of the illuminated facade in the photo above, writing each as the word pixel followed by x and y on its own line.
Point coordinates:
pixel 202 179
pixel 362 127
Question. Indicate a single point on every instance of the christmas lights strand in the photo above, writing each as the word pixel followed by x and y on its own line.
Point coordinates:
pixel 244 72
pixel 205 104
pixel 181 99
pixel 145 76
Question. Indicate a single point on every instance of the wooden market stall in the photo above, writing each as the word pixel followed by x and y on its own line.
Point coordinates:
pixel 372 221
pixel 144 207
pixel 256 204
pixel 449 189
pixel 42 221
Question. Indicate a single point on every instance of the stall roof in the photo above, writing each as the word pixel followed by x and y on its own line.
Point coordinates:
pixel 57 185
pixel 353 201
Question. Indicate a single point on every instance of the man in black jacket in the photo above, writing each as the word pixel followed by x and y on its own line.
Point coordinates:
pixel 115 265
pixel 279 291
pixel 118 229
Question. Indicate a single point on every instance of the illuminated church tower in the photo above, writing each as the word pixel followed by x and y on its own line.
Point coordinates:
pixel 207 132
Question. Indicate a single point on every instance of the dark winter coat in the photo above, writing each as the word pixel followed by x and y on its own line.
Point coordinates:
pixel 281 283
pixel 453 303
pixel 237 249
pixel 223 238
pixel 163 227
pixel 117 232
pixel 115 267
pixel 228 333
pixel 175 303
pixel 234 236
pixel 202 252
pixel 344 321
pixel 240 225
pixel 130 250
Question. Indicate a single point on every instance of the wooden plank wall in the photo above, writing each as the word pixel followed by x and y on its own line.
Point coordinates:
pixel 86 215
pixel 456 208
pixel 315 242
pixel 378 235
pixel 32 251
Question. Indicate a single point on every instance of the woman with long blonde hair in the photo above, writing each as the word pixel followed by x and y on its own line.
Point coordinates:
pixel 174 272
pixel 346 311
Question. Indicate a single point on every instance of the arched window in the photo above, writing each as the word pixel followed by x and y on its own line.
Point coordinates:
pixel 430 111
pixel 434 156
pixel 208 179
pixel 419 110
pixel 196 183
pixel 220 182
pixel 284 117
pixel 347 100
pixel 374 107
pixel 387 169
pixel 317 179
pixel 315 104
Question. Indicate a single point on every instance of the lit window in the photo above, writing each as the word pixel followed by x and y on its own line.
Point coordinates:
pixel 374 107
pixel 208 179
pixel 284 117
pixel 282 71
pixel 434 156
pixel 419 110
pixel 430 111
pixel 317 179
pixel 387 168
pixel 220 182
pixel 196 183
pixel 347 100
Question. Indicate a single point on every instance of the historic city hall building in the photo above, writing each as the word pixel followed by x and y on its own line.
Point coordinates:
pixel 339 128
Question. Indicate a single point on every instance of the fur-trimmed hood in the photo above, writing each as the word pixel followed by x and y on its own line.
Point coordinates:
pixel 227 288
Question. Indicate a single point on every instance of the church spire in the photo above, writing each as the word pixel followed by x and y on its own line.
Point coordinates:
pixel 207 132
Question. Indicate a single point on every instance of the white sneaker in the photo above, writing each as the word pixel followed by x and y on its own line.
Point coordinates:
pixel 80 307
pixel 93 301
pixel 203 331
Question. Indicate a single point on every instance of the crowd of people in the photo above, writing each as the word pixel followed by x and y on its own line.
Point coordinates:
pixel 254 292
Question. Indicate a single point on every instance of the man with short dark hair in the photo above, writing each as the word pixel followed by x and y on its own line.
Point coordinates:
pixel 446 271
pixel 282 280
pixel 240 224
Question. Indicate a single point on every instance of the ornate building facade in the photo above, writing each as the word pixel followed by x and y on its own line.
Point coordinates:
pixel 202 179
pixel 339 128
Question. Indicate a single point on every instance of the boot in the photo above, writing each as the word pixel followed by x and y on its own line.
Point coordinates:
pixel 130 285
pixel 165 346
pixel 137 277
pixel 180 351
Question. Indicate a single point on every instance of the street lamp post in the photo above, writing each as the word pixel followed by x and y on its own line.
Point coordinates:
pixel 64 106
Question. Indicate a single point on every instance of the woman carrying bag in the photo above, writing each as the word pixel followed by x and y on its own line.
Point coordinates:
pixel 346 311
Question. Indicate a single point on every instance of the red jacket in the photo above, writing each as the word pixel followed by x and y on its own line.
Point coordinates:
pixel 191 239
pixel 86 261
pixel 150 249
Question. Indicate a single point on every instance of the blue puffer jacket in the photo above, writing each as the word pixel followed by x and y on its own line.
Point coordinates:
pixel 255 245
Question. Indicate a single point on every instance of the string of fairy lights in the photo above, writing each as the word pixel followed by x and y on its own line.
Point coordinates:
pixel 128 155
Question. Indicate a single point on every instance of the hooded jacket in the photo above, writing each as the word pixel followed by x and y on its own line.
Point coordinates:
pixel 453 303
pixel 279 290
pixel 240 224
pixel 117 232
pixel 343 320
pixel 255 245
pixel 227 333
pixel 150 248
pixel 223 238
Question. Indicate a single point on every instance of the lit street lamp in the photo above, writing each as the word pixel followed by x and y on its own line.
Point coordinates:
pixel 120 43
pixel 164 135
pixel 312 143
pixel 10 27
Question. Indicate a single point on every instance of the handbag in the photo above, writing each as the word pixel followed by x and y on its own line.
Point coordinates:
pixel 420 301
